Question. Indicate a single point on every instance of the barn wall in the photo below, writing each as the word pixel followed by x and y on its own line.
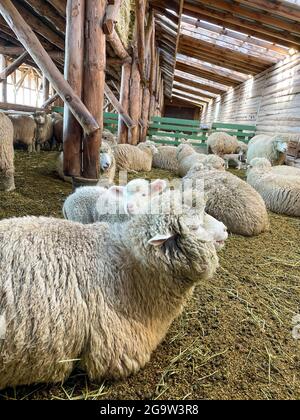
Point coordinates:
pixel 270 100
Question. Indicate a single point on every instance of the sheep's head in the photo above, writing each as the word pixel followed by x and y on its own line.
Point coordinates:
pixel 215 162
pixel 108 137
pixel 175 243
pixel 40 117
pixel 149 147
pixel 184 150
pixel 106 157
pixel 280 146
pixel 260 164
pixel 139 194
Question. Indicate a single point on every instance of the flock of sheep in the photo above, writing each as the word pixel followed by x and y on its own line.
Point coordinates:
pixel 100 289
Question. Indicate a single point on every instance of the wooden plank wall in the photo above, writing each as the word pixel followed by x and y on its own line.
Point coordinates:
pixel 271 100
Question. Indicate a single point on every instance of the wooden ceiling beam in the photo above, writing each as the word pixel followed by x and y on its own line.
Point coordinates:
pixel 186 89
pixel 59 5
pixel 241 25
pixel 197 85
pixel 207 74
pixel 189 100
pixel 276 8
pixel 50 14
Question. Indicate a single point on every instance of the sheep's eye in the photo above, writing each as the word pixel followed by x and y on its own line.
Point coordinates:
pixel 144 195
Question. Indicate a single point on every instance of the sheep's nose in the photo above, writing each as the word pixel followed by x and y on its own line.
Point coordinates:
pixel 130 208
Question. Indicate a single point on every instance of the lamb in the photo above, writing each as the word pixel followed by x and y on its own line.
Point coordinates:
pixel 135 158
pixel 231 201
pixel 96 204
pixel 24 130
pixel 221 144
pixel 187 157
pixel 272 148
pixel 233 160
pixel 44 131
pixel 7 169
pixel 107 166
pixel 281 193
pixel 166 158
pixel 101 297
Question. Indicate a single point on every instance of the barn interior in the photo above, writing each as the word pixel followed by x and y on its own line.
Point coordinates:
pixel 230 65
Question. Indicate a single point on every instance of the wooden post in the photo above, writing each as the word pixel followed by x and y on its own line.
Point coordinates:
pixel 13 66
pixel 140 6
pixel 74 75
pixel 3 65
pixel 135 110
pixel 118 107
pixel 46 89
pixel 50 101
pixel 124 99
pixel 94 81
pixel 32 44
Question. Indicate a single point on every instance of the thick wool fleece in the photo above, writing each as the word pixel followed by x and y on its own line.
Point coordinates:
pixel 7 169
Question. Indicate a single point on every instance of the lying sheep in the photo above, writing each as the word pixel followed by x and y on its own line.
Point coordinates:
pixel 166 158
pixel 281 193
pixel 187 157
pixel 95 204
pixel 44 130
pixel 107 166
pixel 7 169
pixel 231 201
pixel 101 297
pixel 24 130
pixel 221 144
pixel 135 158
pixel 272 148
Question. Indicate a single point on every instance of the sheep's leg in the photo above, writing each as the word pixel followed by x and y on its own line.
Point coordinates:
pixel 30 148
pixel 38 148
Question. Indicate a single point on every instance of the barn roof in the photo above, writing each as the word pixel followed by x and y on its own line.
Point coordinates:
pixel 206 46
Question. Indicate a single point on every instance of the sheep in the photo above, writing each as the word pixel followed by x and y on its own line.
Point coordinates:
pixel 243 150
pixel 231 201
pixel 221 144
pixel 58 128
pixel 281 193
pixel 101 297
pixel 44 131
pixel 7 169
pixel 166 158
pixel 109 138
pixel 286 170
pixel 272 148
pixel 24 130
pixel 135 158
pixel 95 204
pixel 233 160
pixel 107 166
pixel 187 157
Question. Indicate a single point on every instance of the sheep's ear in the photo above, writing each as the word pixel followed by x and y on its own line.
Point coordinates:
pixel 117 191
pixel 160 240
pixel 158 186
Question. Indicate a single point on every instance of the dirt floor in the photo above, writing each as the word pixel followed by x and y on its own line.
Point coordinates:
pixel 234 340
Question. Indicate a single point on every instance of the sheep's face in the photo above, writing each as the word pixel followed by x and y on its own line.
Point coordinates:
pixel 40 118
pixel 151 146
pixel 260 164
pixel 281 147
pixel 106 157
pixel 139 194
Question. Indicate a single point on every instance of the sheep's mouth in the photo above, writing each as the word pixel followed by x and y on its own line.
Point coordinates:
pixel 220 244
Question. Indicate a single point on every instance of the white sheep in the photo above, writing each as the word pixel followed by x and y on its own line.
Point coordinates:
pixel 231 201
pixel 281 193
pixel 187 157
pixel 286 170
pixel 135 158
pixel 234 160
pixel 44 129
pixel 273 148
pixel 7 169
pixel 109 138
pixel 24 130
pixel 96 204
pixel 107 166
pixel 99 297
pixel 221 144
pixel 166 158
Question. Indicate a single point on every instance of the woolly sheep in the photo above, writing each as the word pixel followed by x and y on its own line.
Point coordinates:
pixel 44 130
pixel 95 204
pixel 221 144
pixel 58 128
pixel 281 193
pixel 231 201
pixel 7 169
pixel 187 157
pixel 272 148
pixel 286 170
pixel 243 150
pixel 233 160
pixel 24 130
pixel 101 297
pixel 109 138
pixel 135 158
pixel 107 166
pixel 166 158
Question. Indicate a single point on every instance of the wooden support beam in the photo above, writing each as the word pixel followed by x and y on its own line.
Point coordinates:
pixel 12 51
pixel 117 45
pixel 140 8
pixel 124 99
pixel 30 41
pixel 42 7
pixel 50 101
pixel 178 37
pixel 46 89
pixel 190 82
pixel 118 107
pixel 277 8
pixel 13 67
pixel 135 110
pixel 111 16
pixel 93 83
pixel 75 16
pixel 59 5
pixel 192 91
pixel 3 64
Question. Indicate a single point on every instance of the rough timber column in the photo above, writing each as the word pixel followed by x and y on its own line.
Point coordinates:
pixel 3 64
pixel 74 74
pixel 94 82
